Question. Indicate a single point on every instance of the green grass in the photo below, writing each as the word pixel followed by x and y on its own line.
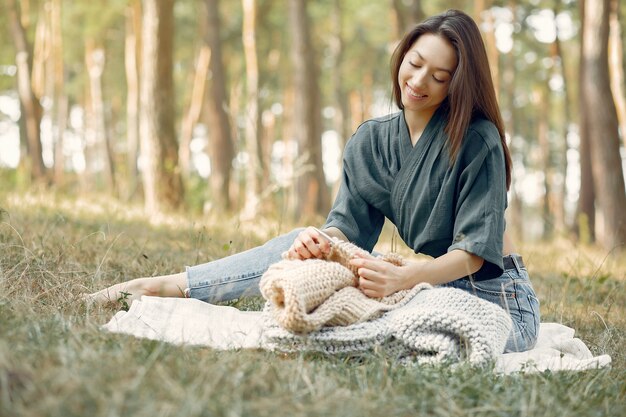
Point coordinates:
pixel 54 360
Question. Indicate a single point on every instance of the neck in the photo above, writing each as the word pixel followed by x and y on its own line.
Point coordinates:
pixel 416 122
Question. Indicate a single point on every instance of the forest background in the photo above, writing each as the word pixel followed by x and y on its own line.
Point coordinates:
pixel 140 136
pixel 245 106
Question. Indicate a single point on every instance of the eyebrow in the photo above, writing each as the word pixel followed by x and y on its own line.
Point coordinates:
pixel 438 69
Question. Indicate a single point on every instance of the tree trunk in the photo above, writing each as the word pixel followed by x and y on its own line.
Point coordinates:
pixel 253 120
pixel 336 47
pixel 221 142
pixel 405 16
pixel 94 60
pixel 606 162
pixel 268 136
pixel 31 108
pixel 616 56
pixel 269 121
pixel 60 106
pixel 492 50
pixel 367 85
pixel 417 13
pixel 162 182
pixel 87 181
pixel 311 185
pixel 132 50
pixel 238 184
pixel 560 193
pixel 543 127
pixel 398 22
pixel 481 9
pixel 195 108
pixel 585 212
pixel 41 46
pixel 288 171
pixel 356 110
pixel 516 218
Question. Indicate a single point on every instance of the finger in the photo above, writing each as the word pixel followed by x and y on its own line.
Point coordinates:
pixel 293 254
pixel 368 284
pixel 300 251
pixel 364 283
pixel 324 241
pixel 323 244
pixel 371 263
pixel 372 294
pixel 369 290
pixel 303 252
pixel 311 245
pixel 364 255
pixel 368 274
pixel 357 261
pixel 299 244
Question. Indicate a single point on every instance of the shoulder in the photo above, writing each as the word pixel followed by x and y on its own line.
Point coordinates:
pixel 482 133
pixel 481 143
pixel 373 130
pixel 382 121
pixel 379 124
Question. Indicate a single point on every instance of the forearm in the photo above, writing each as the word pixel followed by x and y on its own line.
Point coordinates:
pixel 446 268
pixel 378 278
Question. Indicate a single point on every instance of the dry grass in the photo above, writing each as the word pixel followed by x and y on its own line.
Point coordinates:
pixel 54 360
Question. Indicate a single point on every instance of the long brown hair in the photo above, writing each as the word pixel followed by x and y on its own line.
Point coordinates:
pixel 471 91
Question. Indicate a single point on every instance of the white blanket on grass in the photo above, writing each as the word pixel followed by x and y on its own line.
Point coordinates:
pixel 193 322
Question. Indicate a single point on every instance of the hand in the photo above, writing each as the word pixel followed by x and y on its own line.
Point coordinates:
pixel 379 278
pixel 309 244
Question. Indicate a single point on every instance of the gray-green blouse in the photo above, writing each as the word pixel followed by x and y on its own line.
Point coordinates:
pixel 437 207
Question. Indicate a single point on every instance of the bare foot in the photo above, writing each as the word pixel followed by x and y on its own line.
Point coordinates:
pixel 124 293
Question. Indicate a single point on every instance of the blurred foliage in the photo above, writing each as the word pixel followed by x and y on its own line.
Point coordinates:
pixel 368 39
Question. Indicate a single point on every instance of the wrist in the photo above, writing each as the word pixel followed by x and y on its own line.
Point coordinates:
pixel 414 273
pixel 335 232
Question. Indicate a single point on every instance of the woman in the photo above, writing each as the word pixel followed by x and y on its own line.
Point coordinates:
pixel 439 170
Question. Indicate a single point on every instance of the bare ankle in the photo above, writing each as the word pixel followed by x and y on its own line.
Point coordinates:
pixel 147 286
pixel 165 286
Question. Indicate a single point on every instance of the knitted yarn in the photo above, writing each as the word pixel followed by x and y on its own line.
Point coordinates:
pixel 436 325
pixel 305 295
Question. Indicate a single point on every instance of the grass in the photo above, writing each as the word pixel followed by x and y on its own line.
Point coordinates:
pixel 54 360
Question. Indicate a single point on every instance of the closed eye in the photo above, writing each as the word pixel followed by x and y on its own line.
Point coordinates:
pixel 418 66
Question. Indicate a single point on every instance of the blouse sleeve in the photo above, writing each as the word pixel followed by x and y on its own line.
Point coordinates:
pixel 351 213
pixel 481 201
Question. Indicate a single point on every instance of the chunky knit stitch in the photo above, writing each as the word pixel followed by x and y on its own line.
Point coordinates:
pixel 314 305
pixel 305 295
pixel 435 325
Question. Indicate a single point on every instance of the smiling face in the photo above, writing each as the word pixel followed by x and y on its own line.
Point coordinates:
pixel 425 74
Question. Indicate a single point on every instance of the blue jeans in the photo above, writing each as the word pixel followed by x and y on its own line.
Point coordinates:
pixel 513 292
pixel 238 276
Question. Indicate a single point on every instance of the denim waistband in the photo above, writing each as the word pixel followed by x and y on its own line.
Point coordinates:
pixel 513 261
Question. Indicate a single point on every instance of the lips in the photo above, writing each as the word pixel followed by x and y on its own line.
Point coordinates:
pixel 412 93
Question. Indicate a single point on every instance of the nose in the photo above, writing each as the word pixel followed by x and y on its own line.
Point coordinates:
pixel 417 78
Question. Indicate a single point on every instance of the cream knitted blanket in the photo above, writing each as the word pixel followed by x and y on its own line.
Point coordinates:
pixel 435 325
pixel 314 305
pixel 305 295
